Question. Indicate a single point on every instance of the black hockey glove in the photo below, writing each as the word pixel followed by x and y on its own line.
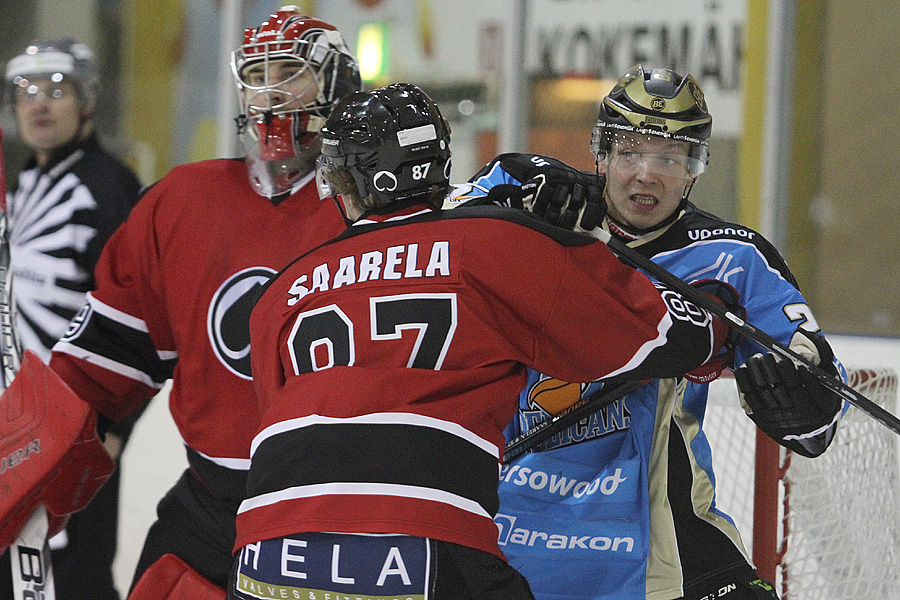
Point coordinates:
pixel 724 358
pixel 788 403
pixel 561 195
pixel 567 198
pixel 503 194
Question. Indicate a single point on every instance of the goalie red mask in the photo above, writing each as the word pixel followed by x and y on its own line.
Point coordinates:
pixel 290 72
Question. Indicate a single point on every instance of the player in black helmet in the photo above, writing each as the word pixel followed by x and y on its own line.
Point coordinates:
pixel 631 511
pixel 368 143
pixel 388 360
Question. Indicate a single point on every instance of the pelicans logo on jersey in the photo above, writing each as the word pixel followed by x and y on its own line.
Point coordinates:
pixel 554 396
pixel 228 320
pixel 548 397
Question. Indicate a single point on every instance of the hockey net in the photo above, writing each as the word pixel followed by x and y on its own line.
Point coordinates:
pixel 826 528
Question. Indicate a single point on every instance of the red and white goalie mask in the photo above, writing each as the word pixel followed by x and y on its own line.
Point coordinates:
pixel 290 72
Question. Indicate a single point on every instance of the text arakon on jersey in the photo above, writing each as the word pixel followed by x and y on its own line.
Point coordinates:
pixel 395 262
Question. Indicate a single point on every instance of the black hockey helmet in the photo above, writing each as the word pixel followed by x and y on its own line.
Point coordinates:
pixel 658 102
pixel 394 143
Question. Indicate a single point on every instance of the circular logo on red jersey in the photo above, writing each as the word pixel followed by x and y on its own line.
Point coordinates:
pixel 228 320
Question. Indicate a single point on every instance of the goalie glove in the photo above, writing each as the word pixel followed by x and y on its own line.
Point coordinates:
pixel 51 453
pixel 788 403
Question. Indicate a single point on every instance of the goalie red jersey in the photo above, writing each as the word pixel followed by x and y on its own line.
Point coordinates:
pixel 414 332
pixel 164 308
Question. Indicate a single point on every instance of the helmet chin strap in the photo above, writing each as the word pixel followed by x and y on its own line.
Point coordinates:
pixel 686 192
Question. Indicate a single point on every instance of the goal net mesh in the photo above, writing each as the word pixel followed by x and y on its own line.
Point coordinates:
pixel 839 514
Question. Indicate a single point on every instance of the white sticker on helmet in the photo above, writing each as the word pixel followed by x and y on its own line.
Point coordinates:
pixel 407 137
pixel 44 62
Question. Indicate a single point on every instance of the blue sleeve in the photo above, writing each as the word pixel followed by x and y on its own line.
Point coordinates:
pixel 766 287
pixel 773 302
pixel 511 168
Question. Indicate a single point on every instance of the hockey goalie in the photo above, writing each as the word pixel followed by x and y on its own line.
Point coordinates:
pixel 50 452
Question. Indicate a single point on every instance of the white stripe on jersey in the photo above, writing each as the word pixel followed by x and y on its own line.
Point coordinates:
pixel 363 489
pixel 235 464
pixel 377 419
pixel 106 363
pixel 770 268
pixel 116 315
pixel 124 318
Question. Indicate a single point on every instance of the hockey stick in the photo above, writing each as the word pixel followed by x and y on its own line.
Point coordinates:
pixel 10 356
pixel 748 329
pixel 581 409
pixel 32 575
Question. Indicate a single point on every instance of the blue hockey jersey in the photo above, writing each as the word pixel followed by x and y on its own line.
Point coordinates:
pixel 622 504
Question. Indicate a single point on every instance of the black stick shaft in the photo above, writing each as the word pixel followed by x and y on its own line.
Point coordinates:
pixel 543 430
pixel 749 330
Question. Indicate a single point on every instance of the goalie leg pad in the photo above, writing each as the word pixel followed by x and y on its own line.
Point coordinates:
pixel 50 453
pixel 170 578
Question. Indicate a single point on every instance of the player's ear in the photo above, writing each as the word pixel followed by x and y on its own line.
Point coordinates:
pixel 353 208
pixel 87 109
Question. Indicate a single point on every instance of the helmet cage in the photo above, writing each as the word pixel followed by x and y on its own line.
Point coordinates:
pixel 290 35
pixel 322 61
pixel 278 129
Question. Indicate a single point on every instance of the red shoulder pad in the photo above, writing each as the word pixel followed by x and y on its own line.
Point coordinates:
pixel 170 578
pixel 50 453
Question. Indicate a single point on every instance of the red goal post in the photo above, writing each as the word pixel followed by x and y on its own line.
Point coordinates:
pixel 824 528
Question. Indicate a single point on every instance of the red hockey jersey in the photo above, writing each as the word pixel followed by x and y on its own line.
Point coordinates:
pixel 388 363
pixel 175 287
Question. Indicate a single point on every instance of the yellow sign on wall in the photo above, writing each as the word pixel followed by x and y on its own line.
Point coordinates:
pixel 372 53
